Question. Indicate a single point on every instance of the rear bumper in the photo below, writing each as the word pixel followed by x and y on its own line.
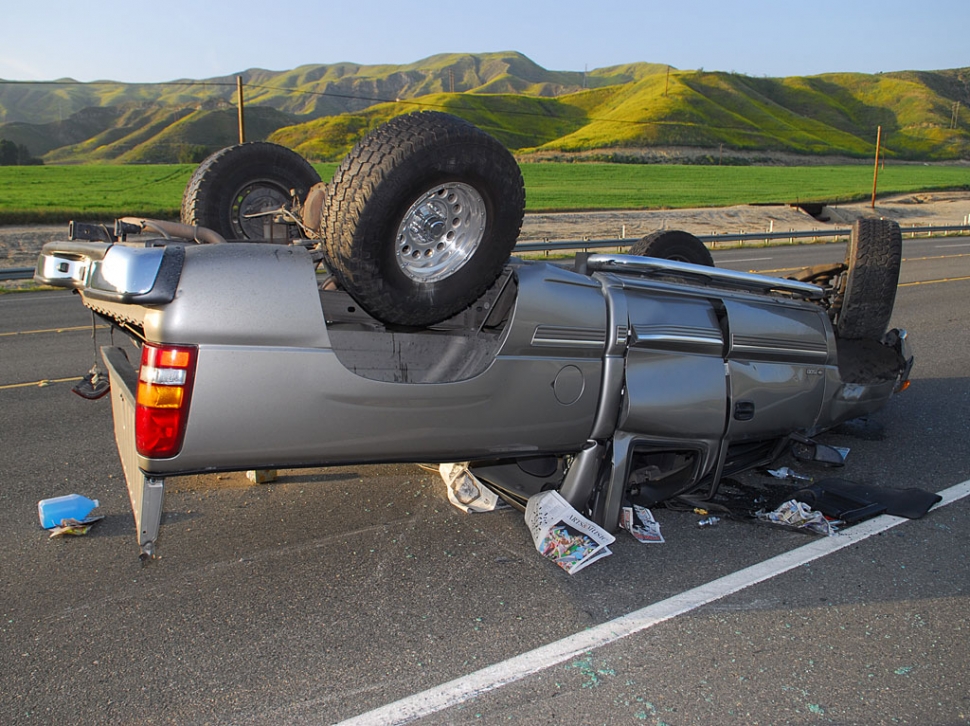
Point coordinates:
pixel 146 493
pixel 130 274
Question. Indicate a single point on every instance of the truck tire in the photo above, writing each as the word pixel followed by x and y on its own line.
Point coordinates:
pixel 239 181
pixel 866 291
pixel 672 244
pixel 421 217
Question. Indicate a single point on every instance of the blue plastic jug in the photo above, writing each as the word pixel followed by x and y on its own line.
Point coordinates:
pixel 70 506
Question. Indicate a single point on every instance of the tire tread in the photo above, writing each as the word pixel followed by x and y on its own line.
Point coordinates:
pixel 868 288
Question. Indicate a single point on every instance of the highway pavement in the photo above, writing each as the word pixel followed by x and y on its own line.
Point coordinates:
pixel 334 592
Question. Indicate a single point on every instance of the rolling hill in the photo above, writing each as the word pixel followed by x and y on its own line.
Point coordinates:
pixel 608 113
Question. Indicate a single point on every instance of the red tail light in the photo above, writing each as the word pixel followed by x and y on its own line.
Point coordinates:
pixel 162 402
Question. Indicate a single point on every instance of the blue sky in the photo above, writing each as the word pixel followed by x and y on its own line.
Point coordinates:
pixel 159 41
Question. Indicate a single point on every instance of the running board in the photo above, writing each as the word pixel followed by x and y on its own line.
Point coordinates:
pixel 655 267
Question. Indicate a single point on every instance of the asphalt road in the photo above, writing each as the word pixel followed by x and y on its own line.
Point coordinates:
pixel 337 591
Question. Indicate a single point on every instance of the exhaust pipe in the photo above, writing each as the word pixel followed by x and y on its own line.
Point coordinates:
pixel 202 235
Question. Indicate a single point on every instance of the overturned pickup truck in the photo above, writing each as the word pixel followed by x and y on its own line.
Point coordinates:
pixel 380 318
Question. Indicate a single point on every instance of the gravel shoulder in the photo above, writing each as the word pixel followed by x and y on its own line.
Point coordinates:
pixel 923 209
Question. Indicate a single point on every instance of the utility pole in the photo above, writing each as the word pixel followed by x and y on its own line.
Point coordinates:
pixel 875 171
pixel 451 79
pixel 667 82
pixel 242 121
pixel 955 116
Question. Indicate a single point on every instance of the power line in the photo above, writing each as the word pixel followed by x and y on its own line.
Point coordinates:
pixel 334 94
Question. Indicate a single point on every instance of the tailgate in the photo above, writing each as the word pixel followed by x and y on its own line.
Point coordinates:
pixel 146 493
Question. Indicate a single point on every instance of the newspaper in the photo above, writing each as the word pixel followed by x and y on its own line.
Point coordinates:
pixel 466 491
pixel 639 522
pixel 563 535
pixel 799 515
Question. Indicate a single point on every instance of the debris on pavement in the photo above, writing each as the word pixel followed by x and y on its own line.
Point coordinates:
pixel 54 511
pixel 93 385
pixel 639 522
pixel 709 521
pixel 563 535
pixel 805 449
pixel 74 527
pixel 466 491
pixel 798 515
pixel 261 476
pixel 852 502
pixel 789 474
pixel 68 514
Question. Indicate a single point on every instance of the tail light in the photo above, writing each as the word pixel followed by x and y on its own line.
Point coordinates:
pixel 162 402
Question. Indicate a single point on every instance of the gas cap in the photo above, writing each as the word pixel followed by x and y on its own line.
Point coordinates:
pixel 569 385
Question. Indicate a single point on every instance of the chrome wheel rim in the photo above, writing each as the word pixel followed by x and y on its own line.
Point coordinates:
pixel 440 232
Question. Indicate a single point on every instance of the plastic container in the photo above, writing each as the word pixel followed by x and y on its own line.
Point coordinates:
pixel 70 506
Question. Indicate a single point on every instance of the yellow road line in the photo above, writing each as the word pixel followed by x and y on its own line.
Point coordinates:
pixel 902 284
pixel 53 330
pixel 935 257
pixel 41 383
pixel 933 282
pixel 905 259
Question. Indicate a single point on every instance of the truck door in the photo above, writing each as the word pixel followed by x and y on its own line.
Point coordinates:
pixel 777 354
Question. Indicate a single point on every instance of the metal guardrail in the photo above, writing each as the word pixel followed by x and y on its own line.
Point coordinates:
pixel 714 239
pixel 26 273
pixel 17 273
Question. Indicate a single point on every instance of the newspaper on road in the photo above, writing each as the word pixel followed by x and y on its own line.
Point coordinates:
pixel 563 535
pixel 466 491
pixel 639 522
pixel 798 515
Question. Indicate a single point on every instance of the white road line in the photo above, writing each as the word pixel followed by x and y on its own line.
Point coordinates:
pixel 962 244
pixel 509 671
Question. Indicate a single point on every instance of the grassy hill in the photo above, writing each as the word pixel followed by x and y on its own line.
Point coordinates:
pixel 322 110
pixel 517 121
pixel 165 134
pixel 831 115
pixel 315 90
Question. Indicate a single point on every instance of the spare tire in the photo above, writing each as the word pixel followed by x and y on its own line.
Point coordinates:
pixel 866 291
pixel 240 181
pixel 421 217
pixel 673 244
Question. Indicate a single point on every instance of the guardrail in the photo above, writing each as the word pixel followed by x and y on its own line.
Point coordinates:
pixel 715 239
pixel 17 273
pixel 26 273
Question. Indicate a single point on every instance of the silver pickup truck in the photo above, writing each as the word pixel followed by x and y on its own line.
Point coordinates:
pixel 380 318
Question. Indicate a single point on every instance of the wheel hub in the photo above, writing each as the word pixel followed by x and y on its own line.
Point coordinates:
pixel 440 231
pixel 428 224
pixel 249 203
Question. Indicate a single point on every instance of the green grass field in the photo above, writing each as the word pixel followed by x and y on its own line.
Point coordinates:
pixel 563 187
pixel 102 192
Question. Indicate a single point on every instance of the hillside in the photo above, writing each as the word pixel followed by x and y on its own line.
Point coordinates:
pixel 829 115
pixel 609 113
